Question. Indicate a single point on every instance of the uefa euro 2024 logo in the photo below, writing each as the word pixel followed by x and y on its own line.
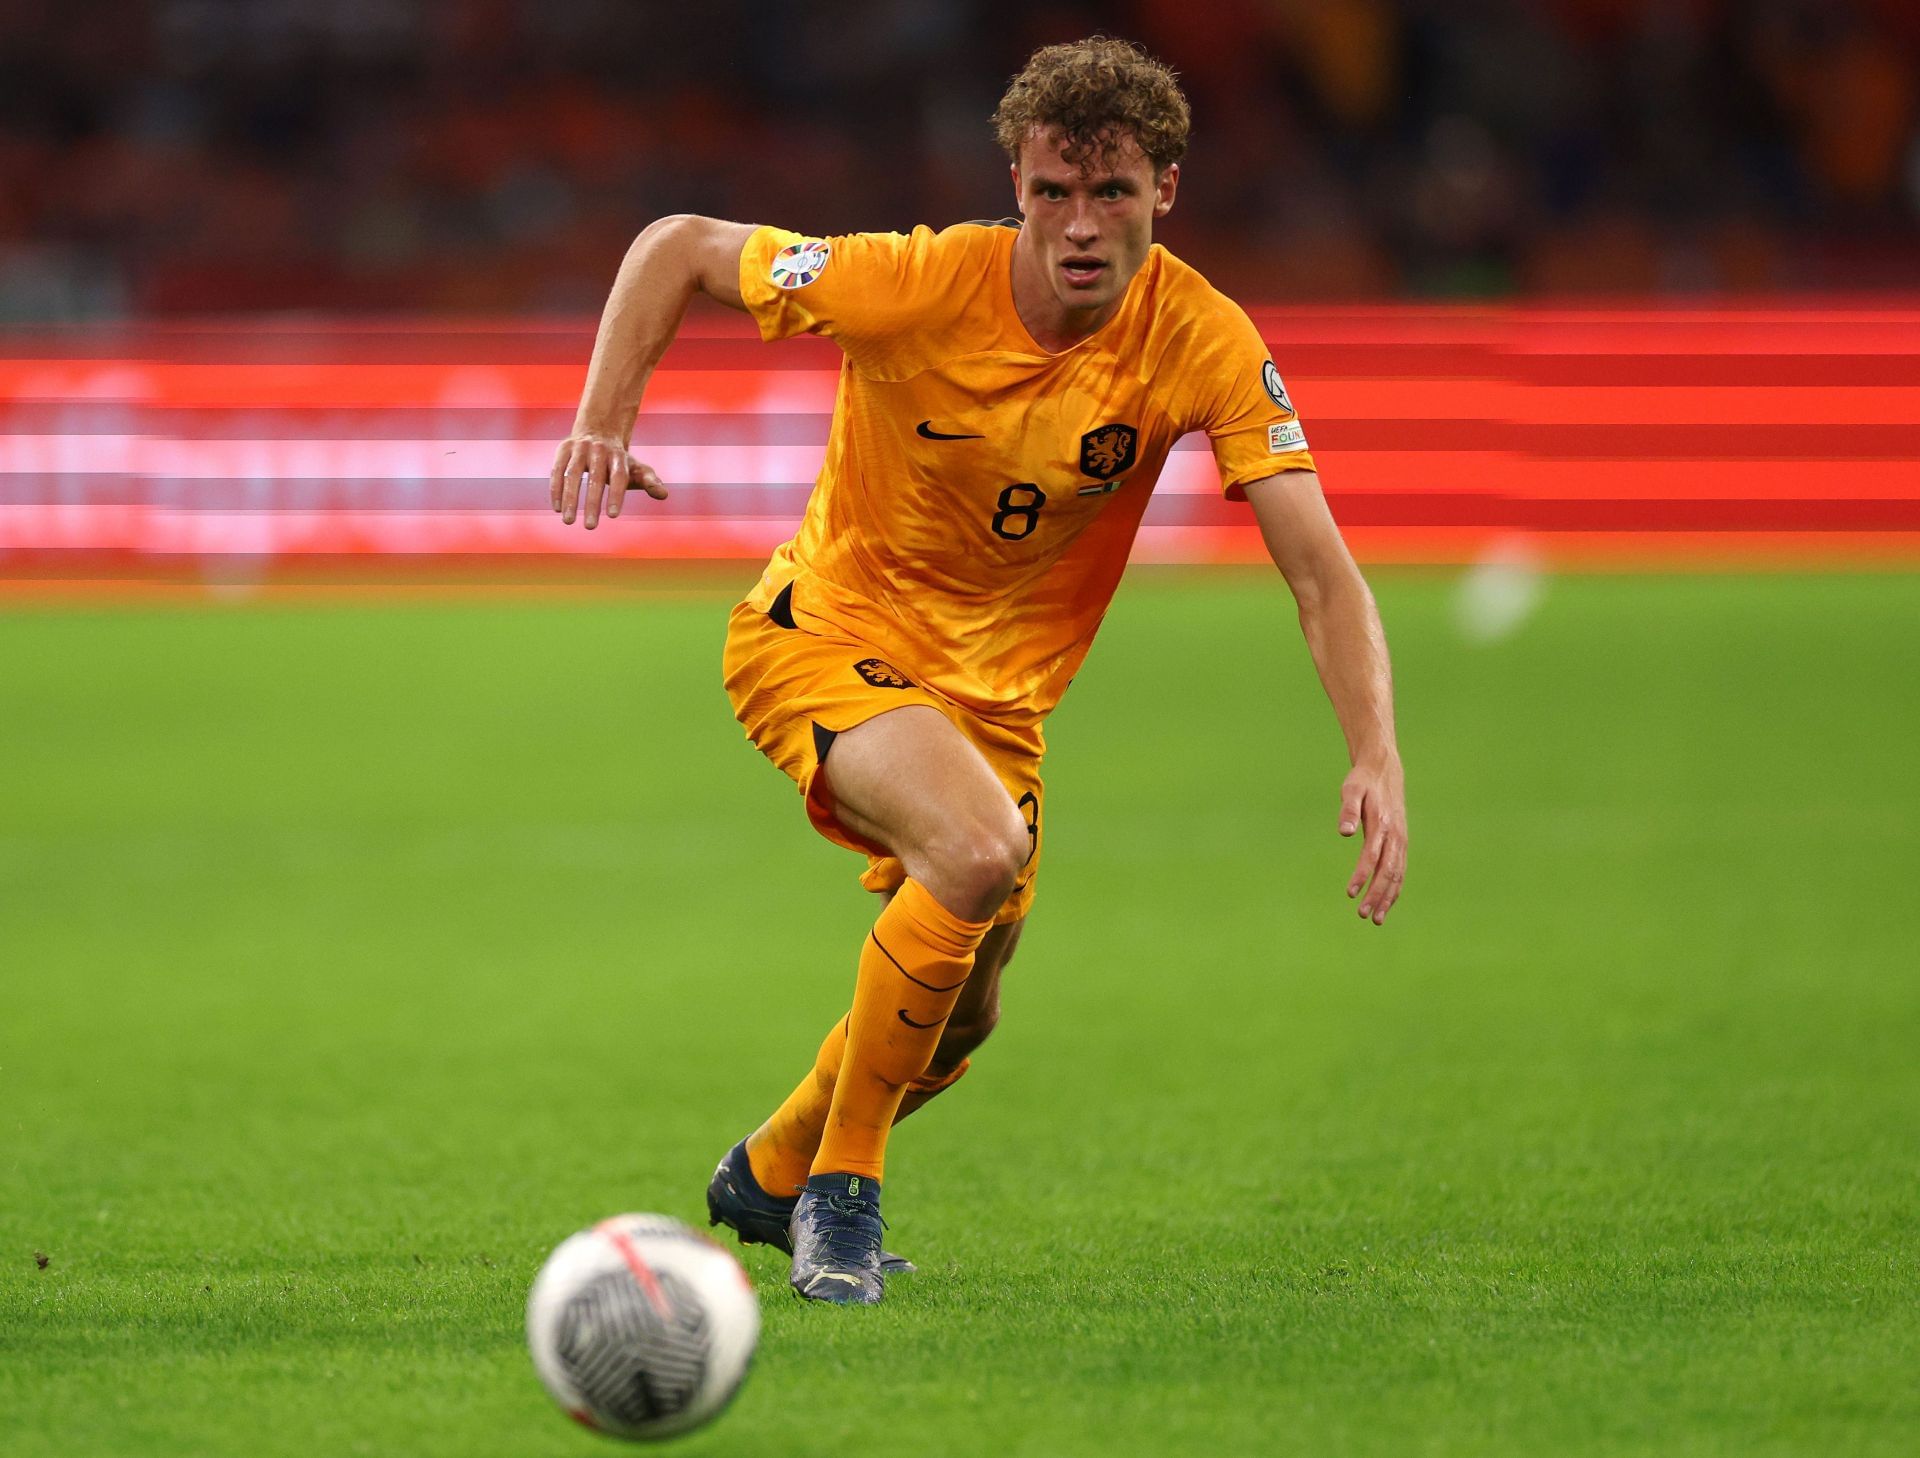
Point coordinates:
pixel 799 264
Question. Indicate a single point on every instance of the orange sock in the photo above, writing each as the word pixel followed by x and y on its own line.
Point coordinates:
pixel 911 971
pixel 781 1150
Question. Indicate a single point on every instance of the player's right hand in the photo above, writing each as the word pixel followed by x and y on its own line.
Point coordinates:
pixel 592 471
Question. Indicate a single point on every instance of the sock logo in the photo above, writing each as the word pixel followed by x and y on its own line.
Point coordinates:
pixel 881 674
pixel 853 1184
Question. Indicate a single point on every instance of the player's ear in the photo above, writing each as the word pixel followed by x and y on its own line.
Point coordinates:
pixel 1164 188
pixel 1013 171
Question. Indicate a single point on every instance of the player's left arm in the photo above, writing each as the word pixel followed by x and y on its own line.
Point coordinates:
pixel 1342 628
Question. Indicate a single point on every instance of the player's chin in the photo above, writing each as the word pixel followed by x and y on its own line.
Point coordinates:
pixel 1095 294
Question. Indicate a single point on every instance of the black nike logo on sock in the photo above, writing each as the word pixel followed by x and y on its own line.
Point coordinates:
pixel 925 429
pixel 912 1024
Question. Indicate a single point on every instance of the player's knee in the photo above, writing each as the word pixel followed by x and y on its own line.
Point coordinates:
pixel 977 869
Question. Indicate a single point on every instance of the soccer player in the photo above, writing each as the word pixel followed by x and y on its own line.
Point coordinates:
pixel 1008 398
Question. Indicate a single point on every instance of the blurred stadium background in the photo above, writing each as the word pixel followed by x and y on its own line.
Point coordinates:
pixel 187 156
pixel 296 290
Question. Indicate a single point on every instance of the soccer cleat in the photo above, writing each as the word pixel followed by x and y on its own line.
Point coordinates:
pixel 836 1240
pixel 735 1200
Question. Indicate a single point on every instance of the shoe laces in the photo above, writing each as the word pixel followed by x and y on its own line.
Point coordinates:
pixel 853 1232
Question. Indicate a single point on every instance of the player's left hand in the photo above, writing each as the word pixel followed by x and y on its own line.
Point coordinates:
pixel 1374 801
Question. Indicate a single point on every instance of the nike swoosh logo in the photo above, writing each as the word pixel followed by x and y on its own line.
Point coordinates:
pixel 926 431
pixel 835 1276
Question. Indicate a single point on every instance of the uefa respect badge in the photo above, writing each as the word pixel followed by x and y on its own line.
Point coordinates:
pixel 1275 387
pixel 799 264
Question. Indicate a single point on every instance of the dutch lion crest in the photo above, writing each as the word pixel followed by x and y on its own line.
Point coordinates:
pixel 882 674
pixel 1108 450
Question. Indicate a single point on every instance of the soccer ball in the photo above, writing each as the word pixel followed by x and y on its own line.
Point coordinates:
pixel 642 1326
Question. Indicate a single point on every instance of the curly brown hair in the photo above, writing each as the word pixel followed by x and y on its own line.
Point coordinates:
pixel 1096 91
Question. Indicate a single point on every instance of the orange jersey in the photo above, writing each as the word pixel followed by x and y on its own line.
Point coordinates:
pixel 979 495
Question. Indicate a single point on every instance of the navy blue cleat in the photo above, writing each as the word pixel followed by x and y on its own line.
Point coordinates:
pixel 836 1240
pixel 735 1200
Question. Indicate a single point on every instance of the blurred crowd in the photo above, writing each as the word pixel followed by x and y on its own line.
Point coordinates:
pixel 165 156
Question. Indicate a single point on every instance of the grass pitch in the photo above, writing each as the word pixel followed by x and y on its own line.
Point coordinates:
pixel 353 955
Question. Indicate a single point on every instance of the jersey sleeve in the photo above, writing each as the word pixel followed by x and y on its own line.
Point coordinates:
pixel 1246 412
pixel 855 288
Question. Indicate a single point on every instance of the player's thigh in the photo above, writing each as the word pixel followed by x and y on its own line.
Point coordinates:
pixel 912 782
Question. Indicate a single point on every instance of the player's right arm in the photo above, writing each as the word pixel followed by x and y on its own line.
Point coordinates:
pixel 672 260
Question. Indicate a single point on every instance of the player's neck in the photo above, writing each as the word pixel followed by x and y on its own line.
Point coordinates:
pixel 1050 323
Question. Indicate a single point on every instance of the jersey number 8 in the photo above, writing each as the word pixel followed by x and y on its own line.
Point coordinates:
pixel 1019 511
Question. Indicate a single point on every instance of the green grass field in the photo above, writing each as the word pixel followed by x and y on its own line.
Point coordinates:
pixel 352 955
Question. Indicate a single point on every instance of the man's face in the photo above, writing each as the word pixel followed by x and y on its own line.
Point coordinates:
pixel 1090 221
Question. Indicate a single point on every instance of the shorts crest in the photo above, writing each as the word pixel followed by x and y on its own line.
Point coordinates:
pixel 881 674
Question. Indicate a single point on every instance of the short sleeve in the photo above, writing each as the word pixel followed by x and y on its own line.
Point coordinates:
pixel 844 287
pixel 1247 414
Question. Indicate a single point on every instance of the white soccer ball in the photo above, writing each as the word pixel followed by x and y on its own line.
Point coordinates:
pixel 642 1326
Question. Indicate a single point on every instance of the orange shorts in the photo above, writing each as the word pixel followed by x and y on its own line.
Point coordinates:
pixel 794 690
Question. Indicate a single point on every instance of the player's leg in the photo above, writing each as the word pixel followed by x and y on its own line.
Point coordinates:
pixel 786 686
pixel 754 1189
pixel 781 1151
pixel 908 781
pixel 971 1023
pixel 911 782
